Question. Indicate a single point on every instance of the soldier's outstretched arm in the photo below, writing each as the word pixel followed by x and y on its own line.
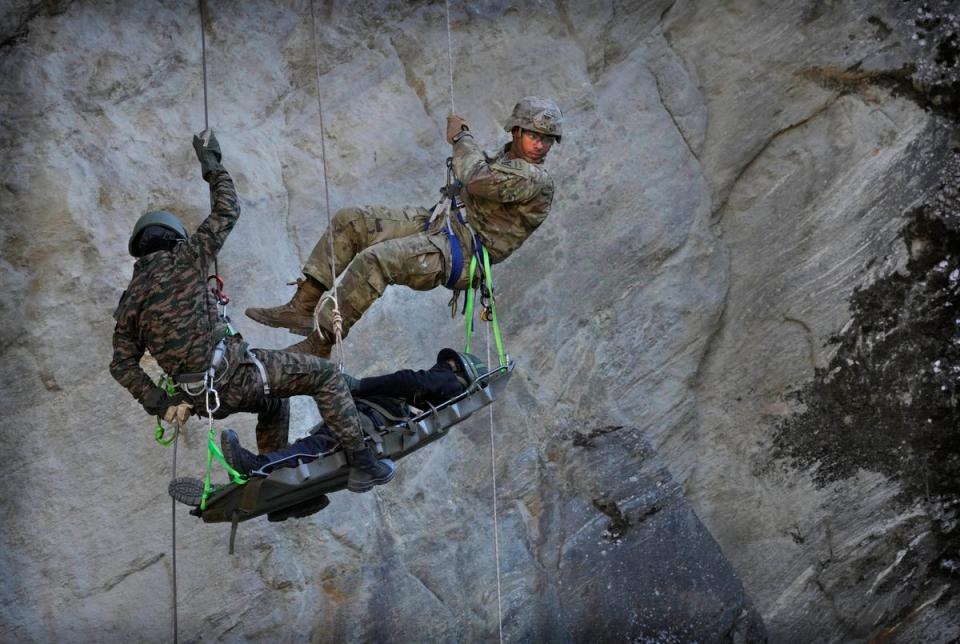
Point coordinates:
pixel 503 181
pixel 225 210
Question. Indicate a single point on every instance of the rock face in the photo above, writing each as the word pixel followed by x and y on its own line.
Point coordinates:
pixel 740 309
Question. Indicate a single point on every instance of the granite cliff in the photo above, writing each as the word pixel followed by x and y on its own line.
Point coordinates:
pixel 734 414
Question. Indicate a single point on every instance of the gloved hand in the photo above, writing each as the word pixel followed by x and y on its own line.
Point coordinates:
pixel 178 413
pixel 156 402
pixel 455 124
pixel 208 153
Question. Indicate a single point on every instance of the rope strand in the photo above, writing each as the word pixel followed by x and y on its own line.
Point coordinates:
pixel 493 453
pixel 496 527
pixel 450 58
pixel 203 49
pixel 173 532
pixel 337 319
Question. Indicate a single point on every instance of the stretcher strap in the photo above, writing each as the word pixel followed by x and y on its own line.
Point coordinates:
pixel 213 452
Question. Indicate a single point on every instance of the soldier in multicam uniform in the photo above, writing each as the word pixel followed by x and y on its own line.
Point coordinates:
pixel 169 311
pixel 507 196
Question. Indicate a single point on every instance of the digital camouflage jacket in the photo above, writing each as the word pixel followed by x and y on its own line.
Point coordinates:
pixel 506 199
pixel 167 308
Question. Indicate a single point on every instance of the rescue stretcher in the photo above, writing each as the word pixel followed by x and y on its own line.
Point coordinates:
pixel 298 491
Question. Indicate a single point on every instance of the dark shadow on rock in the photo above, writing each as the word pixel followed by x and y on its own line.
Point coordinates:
pixel 631 560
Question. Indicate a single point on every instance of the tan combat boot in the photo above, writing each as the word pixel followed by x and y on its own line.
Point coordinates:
pixel 297 314
pixel 314 344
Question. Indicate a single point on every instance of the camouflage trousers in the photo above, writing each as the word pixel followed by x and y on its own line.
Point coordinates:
pixel 374 247
pixel 290 374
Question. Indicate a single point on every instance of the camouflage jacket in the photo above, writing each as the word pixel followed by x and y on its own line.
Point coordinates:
pixel 506 199
pixel 167 309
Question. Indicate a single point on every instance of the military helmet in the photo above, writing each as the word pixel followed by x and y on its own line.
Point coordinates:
pixel 160 218
pixel 537 114
pixel 471 366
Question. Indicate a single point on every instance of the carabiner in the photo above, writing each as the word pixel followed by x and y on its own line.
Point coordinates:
pixel 222 298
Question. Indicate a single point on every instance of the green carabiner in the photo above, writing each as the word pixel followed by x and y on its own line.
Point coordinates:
pixel 168 386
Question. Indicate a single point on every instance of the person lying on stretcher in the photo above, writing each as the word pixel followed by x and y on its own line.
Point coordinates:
pixel 393 394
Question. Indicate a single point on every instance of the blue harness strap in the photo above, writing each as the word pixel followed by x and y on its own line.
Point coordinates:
pixel 456 252
pixel 456 255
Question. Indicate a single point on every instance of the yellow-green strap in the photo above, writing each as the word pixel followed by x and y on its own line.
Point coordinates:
pixel 168 386
pixel 488 277
pixel 468 311
pixel 213 452
pixel 501 354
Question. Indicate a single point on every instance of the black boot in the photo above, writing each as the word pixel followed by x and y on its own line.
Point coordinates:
pixel 186 490
pixel 366 471
pixel 240 459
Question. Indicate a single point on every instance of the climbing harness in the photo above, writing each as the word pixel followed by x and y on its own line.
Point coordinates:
pixel 337 317
pixel 451 205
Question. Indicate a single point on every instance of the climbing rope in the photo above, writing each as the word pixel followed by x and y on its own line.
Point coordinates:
pixel 450 58
pixel 176 430
pixel 203 51
pixel 496 527
pixel 337 318
pixel 502 358
pixel 173 532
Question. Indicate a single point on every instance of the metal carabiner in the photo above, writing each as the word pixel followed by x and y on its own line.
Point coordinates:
pixel 222 298
pixel 210 389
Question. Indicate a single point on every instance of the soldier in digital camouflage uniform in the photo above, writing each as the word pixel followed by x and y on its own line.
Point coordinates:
pixel 169 311
pixel 506 195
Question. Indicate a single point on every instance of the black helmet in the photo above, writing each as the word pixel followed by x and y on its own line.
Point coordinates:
pixel 471 366
pixel 156 218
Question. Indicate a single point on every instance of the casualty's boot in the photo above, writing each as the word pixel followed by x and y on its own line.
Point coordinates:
pixel 366 471
pixel 315 344
pixel 240 459
pixel 297 314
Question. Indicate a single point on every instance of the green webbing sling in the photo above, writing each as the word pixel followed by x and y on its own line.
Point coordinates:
pixel 167 385
pixel 488 277
pixel 213 452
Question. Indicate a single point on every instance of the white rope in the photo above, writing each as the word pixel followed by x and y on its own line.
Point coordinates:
pixel 176 430
pixel 493 452
pixel 203 50
pixel 337 318
pixel 450 58
pixel 496 526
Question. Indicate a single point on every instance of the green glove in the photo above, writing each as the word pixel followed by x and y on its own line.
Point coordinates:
pixel 208 153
